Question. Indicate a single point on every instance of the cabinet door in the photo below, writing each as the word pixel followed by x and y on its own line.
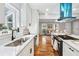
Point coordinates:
pixel 28 50
pixel 77 53
pixel 68 50
pixel 24 52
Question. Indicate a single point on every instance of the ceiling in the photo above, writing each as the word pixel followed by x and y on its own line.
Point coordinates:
pixel 17 5
pixel 50 8
pixel 53 8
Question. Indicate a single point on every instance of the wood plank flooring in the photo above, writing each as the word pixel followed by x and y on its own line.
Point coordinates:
pixel 45 49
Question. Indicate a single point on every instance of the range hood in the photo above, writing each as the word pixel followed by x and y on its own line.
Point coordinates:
pixel 66 19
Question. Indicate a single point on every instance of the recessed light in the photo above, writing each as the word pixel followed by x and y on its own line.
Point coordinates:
pixel 47 9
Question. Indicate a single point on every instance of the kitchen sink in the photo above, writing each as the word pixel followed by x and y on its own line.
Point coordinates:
pixel 18 42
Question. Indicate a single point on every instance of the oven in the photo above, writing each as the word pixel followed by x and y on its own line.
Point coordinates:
pixel 59 45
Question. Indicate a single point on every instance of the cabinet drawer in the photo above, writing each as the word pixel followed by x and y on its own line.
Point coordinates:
pixel 77 54
pixel 69 51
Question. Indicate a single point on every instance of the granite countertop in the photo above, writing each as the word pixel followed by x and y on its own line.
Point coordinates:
pixel 14 51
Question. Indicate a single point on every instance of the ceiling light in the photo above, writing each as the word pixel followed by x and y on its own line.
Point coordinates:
pixel 47 9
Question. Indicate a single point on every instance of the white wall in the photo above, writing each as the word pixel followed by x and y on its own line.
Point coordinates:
pixel 75 27
pixel 2 12
pixel 65 27
pixel 68 27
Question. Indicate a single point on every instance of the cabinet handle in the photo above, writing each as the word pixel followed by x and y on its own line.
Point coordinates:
pixel 71 49
pixel 30 50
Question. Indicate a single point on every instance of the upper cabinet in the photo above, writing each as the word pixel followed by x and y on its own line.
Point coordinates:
pixel 25 15
pixel 2 13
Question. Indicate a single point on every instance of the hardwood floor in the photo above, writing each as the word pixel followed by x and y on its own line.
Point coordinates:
pixel 45 48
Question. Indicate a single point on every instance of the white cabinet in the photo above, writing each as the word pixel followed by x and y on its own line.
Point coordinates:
pixel 69 50
pixel 25 15
pixel 28 50
pixel 77 54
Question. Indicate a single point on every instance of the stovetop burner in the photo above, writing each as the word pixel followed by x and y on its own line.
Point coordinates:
pixel 66 37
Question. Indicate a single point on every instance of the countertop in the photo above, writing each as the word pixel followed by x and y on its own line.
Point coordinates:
pixel 58 33
pixel 13 51
pixel 75 36
pixel 72 35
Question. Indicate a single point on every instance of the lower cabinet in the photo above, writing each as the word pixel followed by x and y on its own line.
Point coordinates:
pixel 69 51
pixel 28 49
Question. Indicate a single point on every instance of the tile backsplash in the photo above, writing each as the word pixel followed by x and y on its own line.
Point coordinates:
pixel 75 28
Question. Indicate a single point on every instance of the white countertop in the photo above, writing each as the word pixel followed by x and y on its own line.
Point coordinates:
pixel 72 44
pixel 13 51
pixel 58 33
pixel 75 36
pixel 72 35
